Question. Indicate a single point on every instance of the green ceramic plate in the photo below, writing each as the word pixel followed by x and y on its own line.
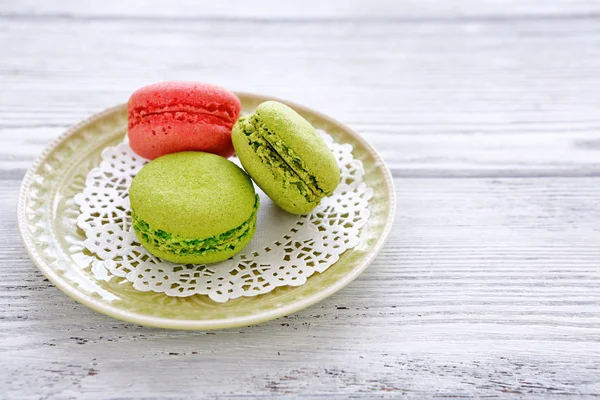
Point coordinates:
pixel 47 218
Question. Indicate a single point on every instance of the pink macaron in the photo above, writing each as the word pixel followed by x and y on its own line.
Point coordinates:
pixel 170 117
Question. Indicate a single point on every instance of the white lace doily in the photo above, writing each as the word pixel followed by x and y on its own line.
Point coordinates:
pixel 285 251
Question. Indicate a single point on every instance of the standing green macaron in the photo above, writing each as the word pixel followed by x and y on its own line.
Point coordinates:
pixel 193 207
pixel 286 157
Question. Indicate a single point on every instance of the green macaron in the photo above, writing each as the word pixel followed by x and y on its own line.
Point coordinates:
pixel 193 207
pixel 286 157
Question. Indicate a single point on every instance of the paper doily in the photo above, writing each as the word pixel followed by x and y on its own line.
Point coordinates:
pixel 285 251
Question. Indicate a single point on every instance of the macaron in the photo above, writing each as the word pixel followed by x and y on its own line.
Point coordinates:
pixel 286 157
pixel 170 117
pixel 193 208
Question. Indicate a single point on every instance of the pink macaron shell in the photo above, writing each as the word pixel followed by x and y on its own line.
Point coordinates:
pixel 156 138
pixel 171 117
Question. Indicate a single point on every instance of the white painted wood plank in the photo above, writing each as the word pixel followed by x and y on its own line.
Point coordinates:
pixel 424 155
pixel 502 75
pixel 308 9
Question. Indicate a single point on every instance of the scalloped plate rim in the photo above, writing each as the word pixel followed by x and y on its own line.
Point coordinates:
pixel 161 322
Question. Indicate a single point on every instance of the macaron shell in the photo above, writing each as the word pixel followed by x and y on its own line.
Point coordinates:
pixel 211 98
pixel 158 135
pixel 192 194
pixel 273 184
pixel 171 117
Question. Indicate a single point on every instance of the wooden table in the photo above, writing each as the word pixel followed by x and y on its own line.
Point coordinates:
pixel 488 115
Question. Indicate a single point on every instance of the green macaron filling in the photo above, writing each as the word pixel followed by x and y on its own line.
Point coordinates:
pixel 182 246
pixel 288 155
pixel 279 158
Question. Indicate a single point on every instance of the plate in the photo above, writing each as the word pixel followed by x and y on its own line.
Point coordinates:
pixel 46 215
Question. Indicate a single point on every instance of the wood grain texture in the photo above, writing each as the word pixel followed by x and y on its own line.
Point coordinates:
pixel 487 112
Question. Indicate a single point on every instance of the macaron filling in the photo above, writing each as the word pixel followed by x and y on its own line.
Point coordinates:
pixel 288 155
pixel 281 159
pixel 212 114
pixel 180 245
